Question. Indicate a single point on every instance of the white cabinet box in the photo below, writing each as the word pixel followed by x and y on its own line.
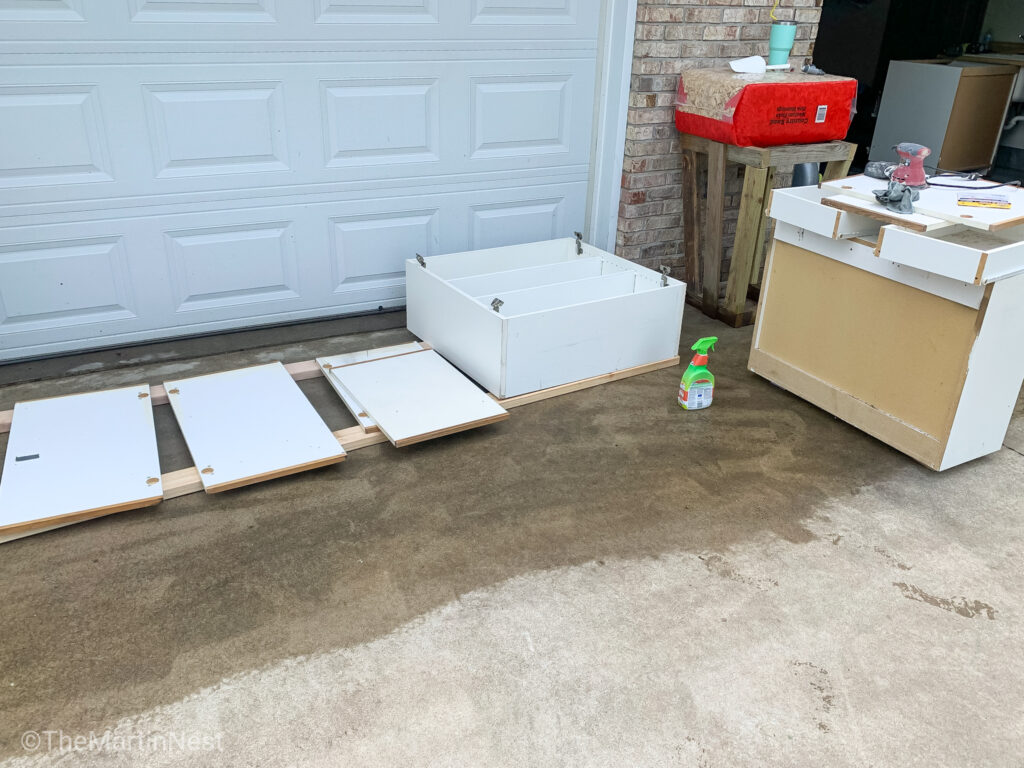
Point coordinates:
pixel 907 326
pixel 528 317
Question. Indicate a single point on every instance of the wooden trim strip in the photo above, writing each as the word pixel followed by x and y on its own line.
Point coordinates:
pixel 981 268
pixel 876 215
pixel 575 386
pixel 17 530
pixel 452 430
pixel 283 472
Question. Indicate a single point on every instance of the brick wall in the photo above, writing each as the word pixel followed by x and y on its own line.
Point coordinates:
pixel 672 36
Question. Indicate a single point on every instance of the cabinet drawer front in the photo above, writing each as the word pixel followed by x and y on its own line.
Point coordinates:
pixel 968 255
pixel 802 207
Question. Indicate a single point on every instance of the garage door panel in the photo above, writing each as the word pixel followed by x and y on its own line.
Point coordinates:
pixel 202 11
pixel 377 12
pixel 309 19
pixel 496 224
pixel 42 10
pixel 51 134
pixel 220 267
pixel 374 248
pixel 520 116
pixel 199 129
pixel 64 283
pixel 537 12
pixel 380 121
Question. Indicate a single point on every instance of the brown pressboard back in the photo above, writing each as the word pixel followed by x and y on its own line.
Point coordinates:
pixel 900 349
pixel 976 121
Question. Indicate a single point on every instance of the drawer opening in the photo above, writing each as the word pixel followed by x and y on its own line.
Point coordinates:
pixel 959 252
pixel 809 208
pixel 976 239
pixel 567 294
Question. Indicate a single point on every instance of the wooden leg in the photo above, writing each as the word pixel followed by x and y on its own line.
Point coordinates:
pixel 759 249
pixel 839 169
pixel 748 226
pixel 691 223
pixel 713 241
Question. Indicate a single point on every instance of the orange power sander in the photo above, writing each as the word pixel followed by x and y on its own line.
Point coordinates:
pixel 905 178
pixel 910 171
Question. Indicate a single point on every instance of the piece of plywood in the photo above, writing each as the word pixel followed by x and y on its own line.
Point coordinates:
pixel 418 397
pixel 899 349
pixel 915 222
pixel 249 425
pixel 941 202
pixel 77 457
pixel 325 364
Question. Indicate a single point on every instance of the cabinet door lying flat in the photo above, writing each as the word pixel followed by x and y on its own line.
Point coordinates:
pixel 80 456
pixel 250 425
pixel 418 397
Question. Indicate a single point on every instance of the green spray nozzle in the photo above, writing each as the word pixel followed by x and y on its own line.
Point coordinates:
pixel 705 345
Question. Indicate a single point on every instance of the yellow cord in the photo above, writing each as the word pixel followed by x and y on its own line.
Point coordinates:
pixel 774 18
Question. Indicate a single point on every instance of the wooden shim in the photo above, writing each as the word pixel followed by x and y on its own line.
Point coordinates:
pixel 418 397
pixel 64 463
pixel 912 221
pixel 234 449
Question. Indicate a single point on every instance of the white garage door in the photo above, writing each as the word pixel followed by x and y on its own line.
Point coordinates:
pixel 181 166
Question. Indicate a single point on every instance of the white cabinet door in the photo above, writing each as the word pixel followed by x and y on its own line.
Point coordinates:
pixel 171 168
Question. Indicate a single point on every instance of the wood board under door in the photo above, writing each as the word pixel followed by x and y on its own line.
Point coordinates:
pixel 249 425
pixel 416 397
pixel 77 457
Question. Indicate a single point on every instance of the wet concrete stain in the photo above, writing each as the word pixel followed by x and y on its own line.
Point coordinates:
pixel 892 560
pixel 958 605
pixel 139 609
pixel 719 566
pixel 819 682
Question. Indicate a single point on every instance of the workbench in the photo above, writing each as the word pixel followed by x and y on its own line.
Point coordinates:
pixel 702 275
pixel 907 326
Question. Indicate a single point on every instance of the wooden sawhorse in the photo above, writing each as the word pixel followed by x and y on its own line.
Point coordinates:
pixel 748 250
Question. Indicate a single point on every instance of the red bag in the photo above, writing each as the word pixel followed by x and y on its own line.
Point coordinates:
pixel 764 110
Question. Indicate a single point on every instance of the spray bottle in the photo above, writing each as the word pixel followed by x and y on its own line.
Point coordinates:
pixel 698 384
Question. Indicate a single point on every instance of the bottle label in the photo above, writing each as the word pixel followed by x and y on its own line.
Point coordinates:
pixel 699 395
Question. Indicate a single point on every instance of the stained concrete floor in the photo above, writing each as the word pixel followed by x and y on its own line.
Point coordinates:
pixel 600 580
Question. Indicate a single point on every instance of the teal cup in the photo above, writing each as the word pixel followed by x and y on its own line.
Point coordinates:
pixel 780 42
